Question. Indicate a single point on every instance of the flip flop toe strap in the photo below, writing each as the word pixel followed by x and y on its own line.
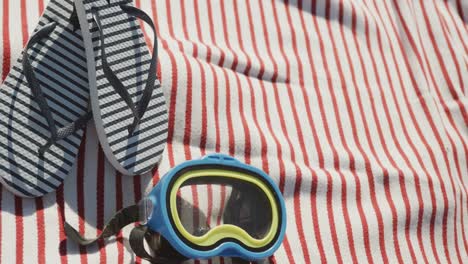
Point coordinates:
pixel 56 134
pixel 138 110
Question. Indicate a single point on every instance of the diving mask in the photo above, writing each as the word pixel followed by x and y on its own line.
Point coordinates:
pixel 250 221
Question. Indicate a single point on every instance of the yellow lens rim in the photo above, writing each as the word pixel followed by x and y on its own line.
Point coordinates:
pixel 225 230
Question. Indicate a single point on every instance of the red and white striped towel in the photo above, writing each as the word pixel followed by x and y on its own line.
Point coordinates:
pixel 358 109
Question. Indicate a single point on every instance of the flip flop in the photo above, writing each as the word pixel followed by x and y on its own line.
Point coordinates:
pixel 44 105
pixel 127 100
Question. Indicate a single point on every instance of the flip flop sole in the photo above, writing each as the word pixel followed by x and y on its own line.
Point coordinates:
pixel 59 63
pixel 129 57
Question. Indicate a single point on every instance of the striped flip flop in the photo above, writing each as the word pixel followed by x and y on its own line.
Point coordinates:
pixel 127 100
pixel 44 105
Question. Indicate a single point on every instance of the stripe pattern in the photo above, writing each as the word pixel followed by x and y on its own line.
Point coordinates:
pixel 60 68
pixel 344 103
pixel 129 58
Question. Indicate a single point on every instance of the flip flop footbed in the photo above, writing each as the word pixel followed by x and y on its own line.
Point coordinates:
pixel 128 57
pixel 59 64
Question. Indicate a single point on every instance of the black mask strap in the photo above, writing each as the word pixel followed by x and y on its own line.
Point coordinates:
pixel 163 252
pixel 121 219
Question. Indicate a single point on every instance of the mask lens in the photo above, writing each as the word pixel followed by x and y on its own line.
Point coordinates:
pixel 204 203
